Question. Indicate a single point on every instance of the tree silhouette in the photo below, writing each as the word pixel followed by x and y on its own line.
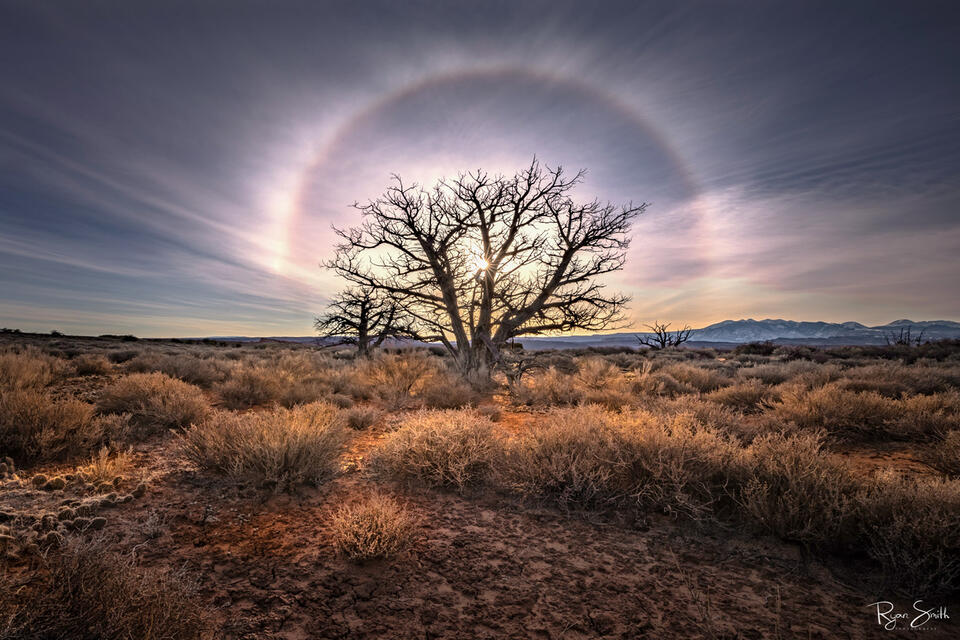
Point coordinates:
pixel 479 259
pixel 663 338
pixel 361 316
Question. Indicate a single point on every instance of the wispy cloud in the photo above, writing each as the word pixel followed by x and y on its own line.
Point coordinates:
pixel 174 168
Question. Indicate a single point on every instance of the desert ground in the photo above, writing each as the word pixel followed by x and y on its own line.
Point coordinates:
pixel 176 489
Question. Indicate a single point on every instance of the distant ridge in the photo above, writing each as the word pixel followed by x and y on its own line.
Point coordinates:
pixel 730 332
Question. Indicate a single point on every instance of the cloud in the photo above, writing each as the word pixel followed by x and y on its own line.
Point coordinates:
pixel 178 165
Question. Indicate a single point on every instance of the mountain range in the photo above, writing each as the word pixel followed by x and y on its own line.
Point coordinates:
pixel 730 332
pixel 773 330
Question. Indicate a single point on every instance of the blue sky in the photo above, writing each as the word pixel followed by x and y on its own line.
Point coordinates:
pixel 173 168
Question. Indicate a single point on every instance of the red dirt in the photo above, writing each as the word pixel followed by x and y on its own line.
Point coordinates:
pixel 482 567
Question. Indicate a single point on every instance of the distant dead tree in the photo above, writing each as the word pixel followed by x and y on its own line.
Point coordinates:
pixel 662 337
pixel 363 317
pixel 904 337
pixel 479 259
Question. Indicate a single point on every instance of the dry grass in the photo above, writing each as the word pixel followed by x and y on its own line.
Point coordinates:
pixel 452 448
pixel 446 390
pixel 797 491
pixel 35 427
pixel 86 593
pixel 29 368
pixel 844 414
pixel 104 467
pixel 747 397
pixel 189 368
pixel 155 402
pixel 945 456
pixel 659 384
pixel 587 457
pixel 912 528
pixel 547 389
pixel 256 385
pixel 362 417
pixel 773 373
pixel 91 364
pixel 700 378
pixel 250 387
pixel 395 378
pixel 276 449
pixel 376 527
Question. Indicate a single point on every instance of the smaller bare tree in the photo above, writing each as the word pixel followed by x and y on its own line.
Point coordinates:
pixel 661 337
pixel 905 337
pixel 362 317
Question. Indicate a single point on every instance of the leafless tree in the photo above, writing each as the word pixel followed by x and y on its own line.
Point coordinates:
pixel 480 259
pixel 361 316
pixel 905 337
pixel 661 337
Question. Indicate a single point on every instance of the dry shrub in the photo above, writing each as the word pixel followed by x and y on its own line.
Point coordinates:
pixel 376 527
pixel 912 527
pixel 797 491
pixel 550 388
pixel 596 374
pixel 587 457
pixel 446 390
pixel 394 378
pixel 29 369
pixel 702 411
pixel 844 414
pixel 250 387
pixel 747 397
pixel 189 368
pixel 659 384
pixel 280 448
pixel 154 401
pixel 91 364
pixel 945 456
pixel 122 355
pixel 296 392
pixel 362 417
pixel 926 417
pixel 894 379
pixel 452 448
pixel 601 382
pixel 34 426
pixel 779 372
pixel 87 593
pixel 699 378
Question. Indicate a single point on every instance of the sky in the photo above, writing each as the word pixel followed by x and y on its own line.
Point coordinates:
pixel 174 168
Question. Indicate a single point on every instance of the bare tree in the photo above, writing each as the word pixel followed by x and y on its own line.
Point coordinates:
pixel 905 337
pixel 361 316
pixel 480 259
pixel 662 337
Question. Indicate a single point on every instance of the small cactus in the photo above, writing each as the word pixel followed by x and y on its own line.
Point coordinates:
pixel 67 514
pixel 54 484
pixel 98 523
pixel 117 481
pixel 51 539
pixel 125 499
pixel 38 480
pixel 80 524
pixel 140 490
pixel 4 469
